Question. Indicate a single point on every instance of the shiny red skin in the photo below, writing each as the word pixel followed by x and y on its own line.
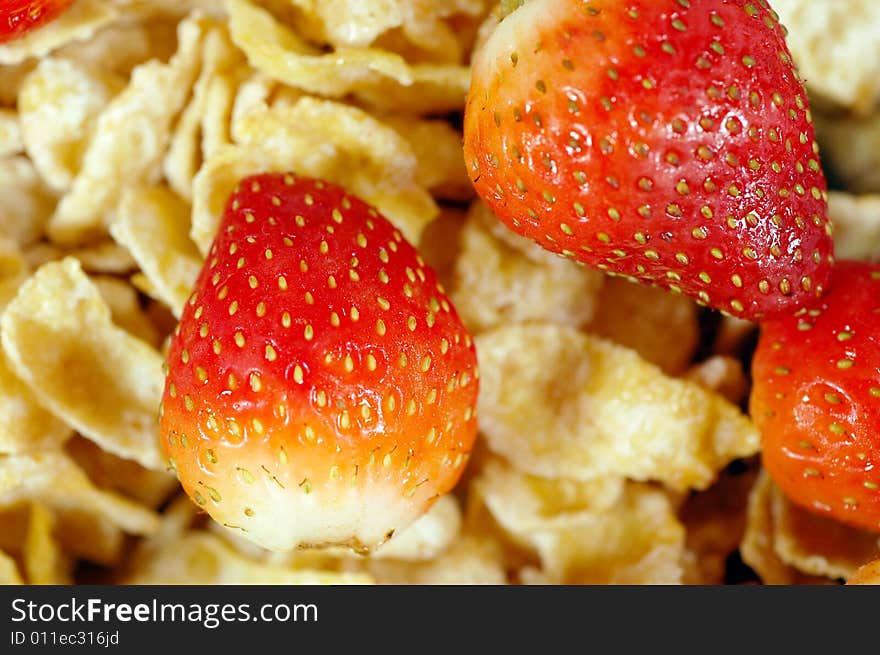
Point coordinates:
pixel 316 340
pixel 18 17
pixel 585 132
pixel 816 399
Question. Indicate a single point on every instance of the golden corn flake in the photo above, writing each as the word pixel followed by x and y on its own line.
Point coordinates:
pixel 204 559
pixel 430 535
pixel 79 23
pixel 59 102
pixel 722 374
pixel 758 547
pixel 9 574
pixel 470 560
pixel 377 77
pixel 10 133
pixel 839 64
pixel 154 223
pixel 817 545
pixel 733 336
pixel 125 43
pixel 662 327
pixel 125 308
pixel 54 479
pixel 109 472
pixel 59 339
pixel 560 403
pixel 358 23
pixel 129 139
pixel 626 534
pixel 437 147
pixel 204 125
pixel 851 148
pixel 866 574
pixel 497 284
pixel 856 221
pixel 27 202
pixel 345 145
pixel 715 522
pixel 321 139
pixel 44 561
pixel 24 424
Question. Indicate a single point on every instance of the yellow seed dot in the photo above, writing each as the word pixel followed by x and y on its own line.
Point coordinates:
pixel 282 283
pixel 239 339
pixel 380 327
pixel 308 333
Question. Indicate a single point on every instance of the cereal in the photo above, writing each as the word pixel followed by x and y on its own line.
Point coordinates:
pixel 10 134
pixel 856 222
pixel 27 202
pixel 54 479
pixel 59 103
pixel 470 560
pixel 560 403
pixel 130 137
pixel 203 558
pixel 627 535
pixel 60 340
pixel 495 284
pixel 428 537
pixel 44 561
pixel 722 374
pixel 377 77
pixel 9 574
pixel 850 147
pixel 660 326
pixel 839 65
pixel 153 224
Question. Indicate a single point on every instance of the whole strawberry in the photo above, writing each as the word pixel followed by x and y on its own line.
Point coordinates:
pixel 816 399
pixel 320 386
pixel 670 141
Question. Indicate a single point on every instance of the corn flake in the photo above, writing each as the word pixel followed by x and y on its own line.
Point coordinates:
pixel 662 327
pixel 130 139
pixel 560 403
pixel 154 224
pixel 839 64
pixel 600 532
pixel 856 221
pixel 379 78
pixel 27 202
pixel 59 339
pixel 59 103
pixel 498 284
pixel 10 133
pixel 203 558
pixel 54 479
pixel 9 574
pixel 44 561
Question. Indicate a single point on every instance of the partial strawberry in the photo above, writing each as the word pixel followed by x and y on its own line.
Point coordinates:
pixel 669 141
pixel 321 388
pixel 816 399
pixel 21 16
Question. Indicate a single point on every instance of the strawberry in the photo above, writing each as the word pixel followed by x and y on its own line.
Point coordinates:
pixel 816 399
pixel 320 387
pixel 21 16
pixel 669 141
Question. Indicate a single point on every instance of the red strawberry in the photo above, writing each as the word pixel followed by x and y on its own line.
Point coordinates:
pixel 816 399
pixel 320 387
pixel 669 141
pixel 21 16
